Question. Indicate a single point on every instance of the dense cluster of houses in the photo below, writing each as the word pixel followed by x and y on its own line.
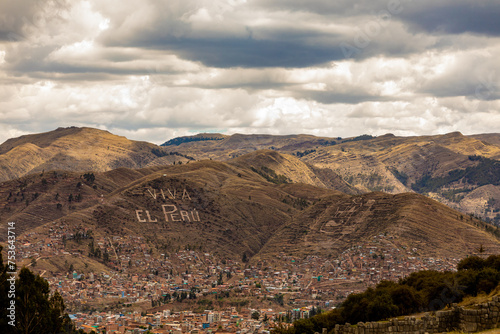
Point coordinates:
pixel 137 274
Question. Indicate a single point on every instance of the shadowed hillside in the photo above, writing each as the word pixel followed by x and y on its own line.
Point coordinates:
pixel 457 170
pixel 460 171
pixel 246 206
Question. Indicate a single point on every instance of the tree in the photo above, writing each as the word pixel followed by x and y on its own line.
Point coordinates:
pixel 279 298
pixel 406 299
pixel 4 300
pixel 36 311
pixel 89 177
pixel 312 313
pixel 255 315
pixel 32 300
pixel 58 318
pixel 304 326
pixel 381 307
pixel 219 280
pixel 487 280
pixel 105 256
pixel 493 261
pixel 472 262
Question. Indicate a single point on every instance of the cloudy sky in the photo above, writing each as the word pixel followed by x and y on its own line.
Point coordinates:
pixel 155 69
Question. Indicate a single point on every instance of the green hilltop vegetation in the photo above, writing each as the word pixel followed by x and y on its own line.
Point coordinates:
pixel 485 172
pixel 271 175
pixel 160 152
pixel 187 139
pixel 421 291
pixel 358 138
pixel 215 136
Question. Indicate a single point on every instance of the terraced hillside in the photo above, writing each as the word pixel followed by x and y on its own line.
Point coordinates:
pixel 236 207
pixel 457 170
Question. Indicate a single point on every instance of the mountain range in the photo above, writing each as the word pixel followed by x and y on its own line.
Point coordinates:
pixel 257 195
pixel 460 171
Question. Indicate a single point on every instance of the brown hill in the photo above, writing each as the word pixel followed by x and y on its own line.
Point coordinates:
pixel 284 168
pixel 418 223
pixel 218 206
pixel 234 208
pixel 444 167
pixel 489 139
pixel 227 147
pixel 77 149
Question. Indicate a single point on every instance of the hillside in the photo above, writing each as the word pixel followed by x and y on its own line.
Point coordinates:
pixel 233 208
pixel 239 208
pixel 233 146
pixel 460 171
pixel 457 170
pixel 417 223
pixel 77 149
pixel 284 168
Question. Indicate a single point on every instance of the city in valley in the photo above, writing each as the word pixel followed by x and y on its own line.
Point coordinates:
pixel 249 167
pixel 129 286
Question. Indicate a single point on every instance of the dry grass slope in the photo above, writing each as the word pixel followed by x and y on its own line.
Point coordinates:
pixel 240 210
pixel 77 149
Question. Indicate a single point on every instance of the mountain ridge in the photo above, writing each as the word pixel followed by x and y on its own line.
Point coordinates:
pixel 385 163
pixel 77 149
pixel 231 209
pixel 360 164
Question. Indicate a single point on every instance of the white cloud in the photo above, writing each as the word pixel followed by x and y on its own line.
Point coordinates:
pixel 168 68
pixel 10 131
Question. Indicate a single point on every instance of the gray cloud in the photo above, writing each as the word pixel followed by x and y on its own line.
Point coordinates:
pixel 446 16
pixel 455 17
pixel 20 18
pixel 471 75
pixel 165 68
pixel 350 97
pixel 238 40
pixel 329 31
pixel 338 8
pixel 235 52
